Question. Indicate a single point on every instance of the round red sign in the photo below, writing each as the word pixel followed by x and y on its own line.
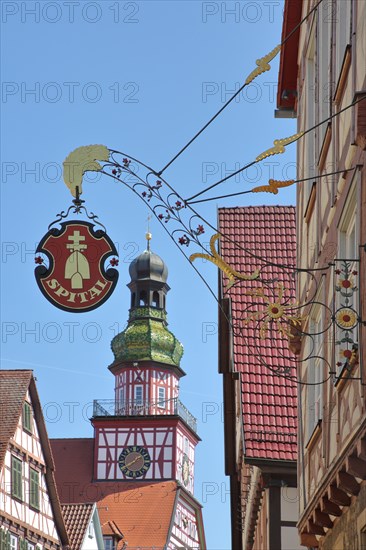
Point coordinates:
pixel 76 279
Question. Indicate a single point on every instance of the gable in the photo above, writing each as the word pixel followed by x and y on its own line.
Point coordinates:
pixel 13 387
pixel 28 495
pixel 187 526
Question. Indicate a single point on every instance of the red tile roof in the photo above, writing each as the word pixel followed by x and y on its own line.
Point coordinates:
pixel 73 468
pixel 13 388
pixel 269 403
pixel 142 511
pixel 77 518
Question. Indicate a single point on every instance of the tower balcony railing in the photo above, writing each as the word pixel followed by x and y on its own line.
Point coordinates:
pixel 110 407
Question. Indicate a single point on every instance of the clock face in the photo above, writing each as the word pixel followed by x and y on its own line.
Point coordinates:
pixel 134 461
pixel 185 470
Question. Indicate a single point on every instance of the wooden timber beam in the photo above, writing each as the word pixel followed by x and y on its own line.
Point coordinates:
pixel 322 520
pixel 347 483
pixel 361 449
pixel 329 507
pixel 309 540
pixel 356 467
pixel 338 496
pixel 314 529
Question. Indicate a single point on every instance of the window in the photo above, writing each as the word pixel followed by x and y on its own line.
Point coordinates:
pixel 348 245
pixel 121 399
pixel 16 478
pixel 346 286
pixel 133 298
pixel 161 398
pixel 143 298
pixel 109 543
pixel 13 542
pixel 323 52
pixel 34 488
pixel 27 417
pixel 91 529
pixel 30 546
pixel 308 118
pixel 342 15
pixel 315 373
pixel 138 395
pixel 155 300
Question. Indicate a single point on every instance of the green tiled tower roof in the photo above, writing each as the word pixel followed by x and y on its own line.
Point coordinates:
pixel 147 340
pixel 147 337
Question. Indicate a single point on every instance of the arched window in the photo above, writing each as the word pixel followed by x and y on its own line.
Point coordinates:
pixel 155 300
pixel 143 298
pixel 133 298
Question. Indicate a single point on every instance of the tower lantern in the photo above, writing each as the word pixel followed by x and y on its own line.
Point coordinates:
pixel 148 274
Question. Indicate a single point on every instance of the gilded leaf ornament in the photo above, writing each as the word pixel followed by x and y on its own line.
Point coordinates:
pixel 263 64
pixel 273 186
pixel 81 160
pixel 275 312
pixel 219 262
pixel 279 146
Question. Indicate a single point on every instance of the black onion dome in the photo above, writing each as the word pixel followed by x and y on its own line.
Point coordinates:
pixel 148 266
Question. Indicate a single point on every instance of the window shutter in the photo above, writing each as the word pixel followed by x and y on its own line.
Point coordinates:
pixel 27 417
pixel 4 540
pixel 34 488
pixel 16 477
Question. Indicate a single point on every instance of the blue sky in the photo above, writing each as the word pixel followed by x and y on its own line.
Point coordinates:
pixel 140 77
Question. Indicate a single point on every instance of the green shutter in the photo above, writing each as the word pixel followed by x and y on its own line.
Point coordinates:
pixel 27 417
pixel 2 539
pixel 34 488
pixel 16 477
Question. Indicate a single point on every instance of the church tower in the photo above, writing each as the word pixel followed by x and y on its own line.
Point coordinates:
pixel 145 433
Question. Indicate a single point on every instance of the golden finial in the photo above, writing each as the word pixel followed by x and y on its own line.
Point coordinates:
pixel 148 235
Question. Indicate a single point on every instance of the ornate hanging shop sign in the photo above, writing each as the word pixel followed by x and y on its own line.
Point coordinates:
pixel 71 263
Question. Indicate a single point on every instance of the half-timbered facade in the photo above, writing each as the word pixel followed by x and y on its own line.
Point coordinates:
pixel 30 512
pixel 325 71
pixel 143 451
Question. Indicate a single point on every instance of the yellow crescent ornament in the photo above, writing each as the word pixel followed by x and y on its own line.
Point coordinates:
pixel 81 160
pixel 221 264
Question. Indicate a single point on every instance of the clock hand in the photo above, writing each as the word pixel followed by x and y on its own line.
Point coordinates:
pixel 133 461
